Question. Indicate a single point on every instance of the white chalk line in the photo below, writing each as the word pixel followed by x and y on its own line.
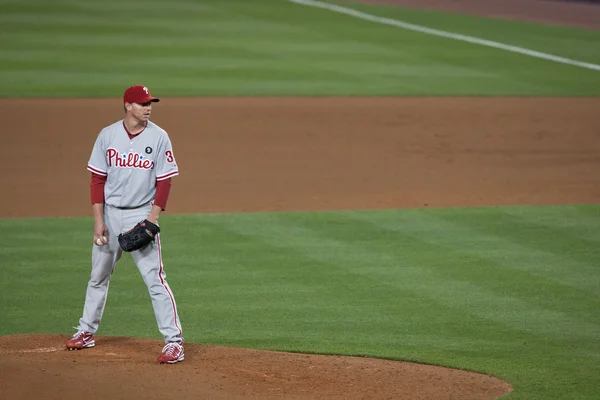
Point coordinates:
pixel 444 34
pixel 41 350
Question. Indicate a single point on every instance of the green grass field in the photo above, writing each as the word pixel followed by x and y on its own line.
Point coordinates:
pixel 510 291
pixel 273 47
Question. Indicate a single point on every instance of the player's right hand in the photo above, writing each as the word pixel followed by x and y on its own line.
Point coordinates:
pixel 100 232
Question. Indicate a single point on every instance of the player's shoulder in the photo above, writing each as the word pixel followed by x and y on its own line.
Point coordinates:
pixel 112 128
pixel 157 129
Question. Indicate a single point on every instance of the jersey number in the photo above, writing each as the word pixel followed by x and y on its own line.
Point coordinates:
pixel 169 155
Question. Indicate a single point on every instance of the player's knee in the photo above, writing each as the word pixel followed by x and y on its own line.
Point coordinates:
pixel 99 279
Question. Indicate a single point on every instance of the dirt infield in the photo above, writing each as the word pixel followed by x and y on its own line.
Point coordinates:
pixel 318 154
pixel 244 155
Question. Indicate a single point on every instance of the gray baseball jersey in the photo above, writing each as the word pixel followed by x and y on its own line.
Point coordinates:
pixel 132 165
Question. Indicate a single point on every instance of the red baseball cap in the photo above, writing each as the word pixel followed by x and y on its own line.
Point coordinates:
pixel 138 94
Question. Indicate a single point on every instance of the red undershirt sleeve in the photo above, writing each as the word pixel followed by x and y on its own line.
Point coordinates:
pixel 97 188
pixel 163 189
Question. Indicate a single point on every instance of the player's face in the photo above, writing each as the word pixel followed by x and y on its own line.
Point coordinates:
pixel 141 111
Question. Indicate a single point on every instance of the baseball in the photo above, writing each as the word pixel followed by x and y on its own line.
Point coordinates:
pixel 99 241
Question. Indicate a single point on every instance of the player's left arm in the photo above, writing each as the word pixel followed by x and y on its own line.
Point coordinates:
pixel 154 214
pixel 163 189
pixel 165 164
pixel 166 168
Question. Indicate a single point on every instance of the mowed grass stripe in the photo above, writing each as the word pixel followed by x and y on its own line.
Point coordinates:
pixel 332 291
pixel 553 251
pixel 455 271
pixel 579 222
pixel 446 34
pixel 387 267
pixel 268 47
pixel 570 42
pixel 521 247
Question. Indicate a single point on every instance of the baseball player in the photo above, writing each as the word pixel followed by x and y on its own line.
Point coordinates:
pixel 132 164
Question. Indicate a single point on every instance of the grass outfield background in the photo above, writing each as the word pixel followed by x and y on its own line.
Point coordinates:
pixel 273 47
pixel 513 291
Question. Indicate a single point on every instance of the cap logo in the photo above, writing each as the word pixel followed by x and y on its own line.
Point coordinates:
pixel 145 89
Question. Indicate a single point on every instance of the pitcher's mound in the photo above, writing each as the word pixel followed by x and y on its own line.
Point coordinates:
pixel 38 366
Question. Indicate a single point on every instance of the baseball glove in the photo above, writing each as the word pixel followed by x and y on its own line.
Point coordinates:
pixel 139 236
